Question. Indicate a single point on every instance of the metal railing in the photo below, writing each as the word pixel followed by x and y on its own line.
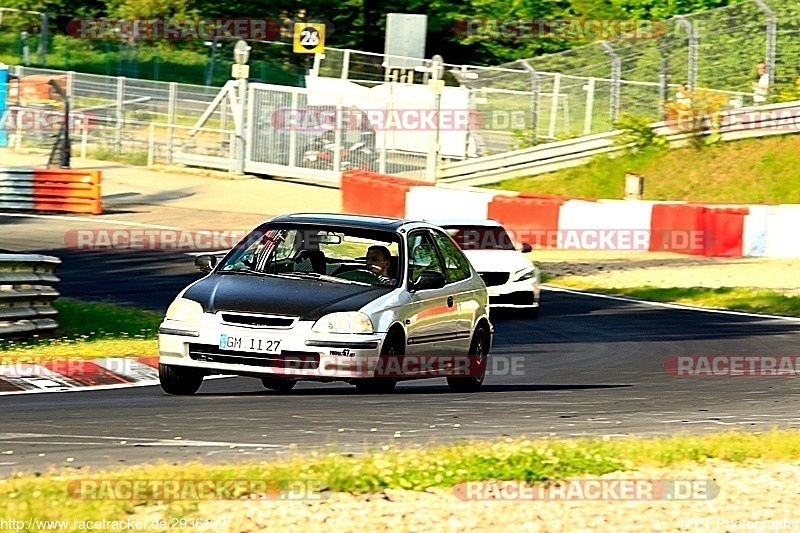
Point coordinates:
pixel 736 124
pixel 27 292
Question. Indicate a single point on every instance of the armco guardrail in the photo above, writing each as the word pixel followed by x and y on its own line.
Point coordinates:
pixel 27 292
pixel 529 161
pixel 737 124
pixel 66 190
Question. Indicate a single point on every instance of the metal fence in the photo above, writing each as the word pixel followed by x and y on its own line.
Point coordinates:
pixel 581 91
pixel 584 90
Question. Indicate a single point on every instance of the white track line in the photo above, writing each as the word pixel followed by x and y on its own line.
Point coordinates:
pixel 92 220
pixel 670 305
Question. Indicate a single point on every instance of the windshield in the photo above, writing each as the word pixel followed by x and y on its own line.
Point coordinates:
pixel 345 255
pixel 481 237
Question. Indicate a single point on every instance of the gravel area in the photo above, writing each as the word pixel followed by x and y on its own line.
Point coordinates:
pixel 659 269
pixel 756 496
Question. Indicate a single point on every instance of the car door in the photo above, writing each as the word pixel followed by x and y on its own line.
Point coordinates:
pixel 461 288
pixel 430 326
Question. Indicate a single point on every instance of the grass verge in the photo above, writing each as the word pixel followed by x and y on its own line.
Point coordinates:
pixel 88 330
pixel 713 174
pixel 46 498
pixel 745 299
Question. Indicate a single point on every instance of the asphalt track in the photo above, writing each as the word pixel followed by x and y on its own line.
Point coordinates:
pixel 588 367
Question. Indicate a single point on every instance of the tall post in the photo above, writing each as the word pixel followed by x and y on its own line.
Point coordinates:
pixel 436 85
pixel 663 84
pixel 243 130
pixel 171 105
pixel 589 112
pixel 693 45
pixel 616 75
pixel 43 40
pixel 551 131
pixel 120 112
pixel 346 64
pixel 534 100
pixel 772 30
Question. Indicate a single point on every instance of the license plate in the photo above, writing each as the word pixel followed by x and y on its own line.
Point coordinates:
pixel 249 344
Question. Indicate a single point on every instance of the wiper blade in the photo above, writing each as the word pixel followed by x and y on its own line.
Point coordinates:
pixel 325 277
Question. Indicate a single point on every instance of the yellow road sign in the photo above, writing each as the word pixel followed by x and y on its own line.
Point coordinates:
pixel 309 38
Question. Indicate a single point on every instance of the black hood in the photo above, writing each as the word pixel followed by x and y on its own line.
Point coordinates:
pixel 306 298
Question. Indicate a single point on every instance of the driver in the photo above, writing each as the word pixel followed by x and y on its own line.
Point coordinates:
pixel 379 258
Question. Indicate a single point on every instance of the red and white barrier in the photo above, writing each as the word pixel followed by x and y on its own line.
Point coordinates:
pixel 621 225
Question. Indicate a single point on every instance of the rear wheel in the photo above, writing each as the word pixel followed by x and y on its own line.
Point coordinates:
pixel 382 385
pixel 480 350
pixel 279 384
pixel 179 380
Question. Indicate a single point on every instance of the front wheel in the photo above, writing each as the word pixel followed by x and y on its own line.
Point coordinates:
pixel 480 350
pixel 179 380
pixel 393 347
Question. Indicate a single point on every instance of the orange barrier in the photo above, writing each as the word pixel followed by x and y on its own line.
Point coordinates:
pixel 697 229
pixel 369 193
pixel 72 191
pixel 530 217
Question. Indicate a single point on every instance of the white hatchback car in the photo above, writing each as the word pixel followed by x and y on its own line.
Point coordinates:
pixel 511 279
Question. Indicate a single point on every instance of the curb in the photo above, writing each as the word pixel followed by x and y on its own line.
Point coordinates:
pixel 32 375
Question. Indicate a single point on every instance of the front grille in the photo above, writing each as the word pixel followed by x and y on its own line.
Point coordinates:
pixel 494 278
pixel 515 298
pixel 285 360
pixel 259 321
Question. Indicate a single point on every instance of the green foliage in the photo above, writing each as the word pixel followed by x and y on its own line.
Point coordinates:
pixel 791 93
pixel 94 329
pixel 524 139
pixel 637 132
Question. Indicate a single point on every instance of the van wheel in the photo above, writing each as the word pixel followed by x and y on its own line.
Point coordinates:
pixel 480 350
pixel 179 380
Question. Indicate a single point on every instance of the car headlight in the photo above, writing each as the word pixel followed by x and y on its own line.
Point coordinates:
pixel 524 274
pixel 184 310
pixel 349 322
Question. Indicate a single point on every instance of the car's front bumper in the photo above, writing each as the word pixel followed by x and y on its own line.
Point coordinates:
pixel 515 294
pixel 301 353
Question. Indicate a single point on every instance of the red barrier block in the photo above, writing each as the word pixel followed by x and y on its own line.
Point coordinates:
pixel 369 193
pixel 677 228
pixel 531 218
pixel 725 229
pixel 697 229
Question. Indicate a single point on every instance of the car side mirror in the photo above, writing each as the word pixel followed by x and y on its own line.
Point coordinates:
pixel 526 248
pixel 429 279
pixel 205 262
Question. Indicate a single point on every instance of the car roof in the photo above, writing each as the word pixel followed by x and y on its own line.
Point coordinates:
pixel 464 222
pixel 347 220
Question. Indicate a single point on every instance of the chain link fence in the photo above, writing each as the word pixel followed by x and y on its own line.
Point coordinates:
pixel 580 91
